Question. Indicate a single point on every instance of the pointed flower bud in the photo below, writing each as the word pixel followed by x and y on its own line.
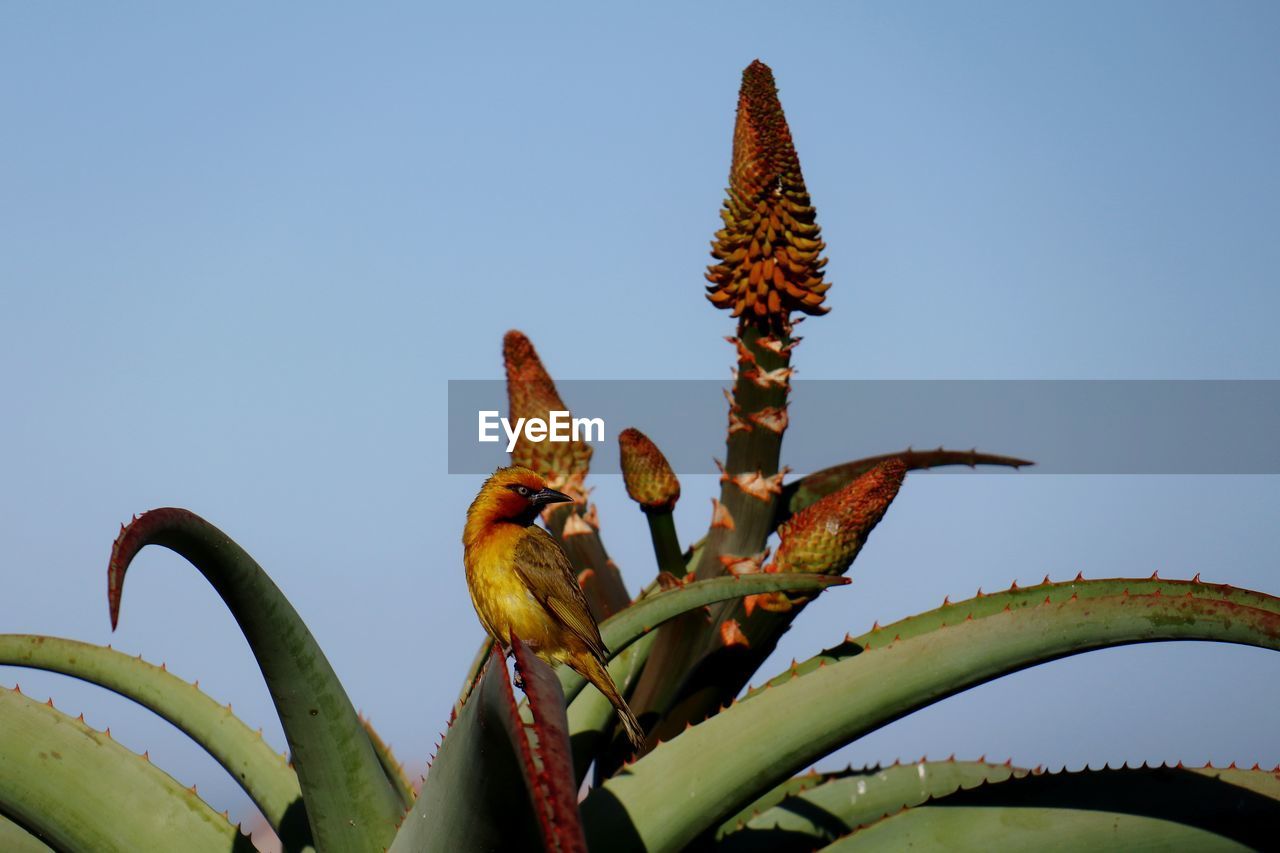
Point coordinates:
pixel 648 476
pixel 826 535
pixel 767 254
pixel 532 394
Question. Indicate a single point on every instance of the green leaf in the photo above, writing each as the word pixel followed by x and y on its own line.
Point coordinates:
pixel 1139 808
pixel 473 671
pixel 623 629
pixel 1017 598
pixel 811 810
pixel 79 790
pixel 1034 830
pixel 350 804
pixel 591 717
pixel 807 811
pixel 391 765
pixel 798 494
pixel 475 796
pixel 15 839
pixel 692 783
pixel 264 774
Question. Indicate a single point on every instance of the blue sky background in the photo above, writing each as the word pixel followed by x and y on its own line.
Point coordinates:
pixel 242 250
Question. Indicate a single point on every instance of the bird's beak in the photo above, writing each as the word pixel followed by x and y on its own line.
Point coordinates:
pixel 549 496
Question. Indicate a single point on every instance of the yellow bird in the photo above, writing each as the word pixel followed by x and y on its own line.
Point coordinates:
pixel 522 583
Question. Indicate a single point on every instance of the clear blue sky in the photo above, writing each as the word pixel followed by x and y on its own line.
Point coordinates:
pixel 243 249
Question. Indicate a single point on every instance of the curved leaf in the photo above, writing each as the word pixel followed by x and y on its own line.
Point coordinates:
pixel 350 803
pixel 391 765
pixel 15 839
pixel 1171 808
pixel 264 774
pixel 970 828
pixel 624 628
pixel 684 787
pixel 798 494
pixel 1243 805
pixel 1017 598
pixel 807 811
pixel 80 790
pixel 591 716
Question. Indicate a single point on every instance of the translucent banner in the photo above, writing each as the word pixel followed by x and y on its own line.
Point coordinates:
pixel 1064 426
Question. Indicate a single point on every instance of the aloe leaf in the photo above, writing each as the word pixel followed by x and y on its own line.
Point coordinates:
pixel 1033 830
pixel 475 796
pixel 78 789
pixel 15 839
pixel 798 494
pixel 810 810
pixel 263 773
pixel 391 765
pixel 684 787
pixel 624 628
pixel 350 804
pixel 477 666
pixel 1017 598
pixel 551 784
pixel 1171 808
pixel 629 637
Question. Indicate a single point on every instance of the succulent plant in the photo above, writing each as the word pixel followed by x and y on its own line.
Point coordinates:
pixel 722 768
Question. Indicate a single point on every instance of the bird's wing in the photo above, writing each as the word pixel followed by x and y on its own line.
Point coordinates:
pixel 548 574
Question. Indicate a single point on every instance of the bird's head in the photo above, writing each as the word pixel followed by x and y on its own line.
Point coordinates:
pixel 515 495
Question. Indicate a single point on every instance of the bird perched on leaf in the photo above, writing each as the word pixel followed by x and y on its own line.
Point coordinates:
pixel 522 583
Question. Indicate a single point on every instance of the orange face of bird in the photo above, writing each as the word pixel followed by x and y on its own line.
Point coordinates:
pixel 513 494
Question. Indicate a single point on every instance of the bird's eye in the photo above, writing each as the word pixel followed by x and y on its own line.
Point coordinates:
pixel 522 491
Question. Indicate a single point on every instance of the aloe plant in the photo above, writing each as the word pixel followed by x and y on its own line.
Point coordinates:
pixel 722 768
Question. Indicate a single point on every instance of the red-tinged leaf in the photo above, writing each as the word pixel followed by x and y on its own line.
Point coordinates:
pixel 554 780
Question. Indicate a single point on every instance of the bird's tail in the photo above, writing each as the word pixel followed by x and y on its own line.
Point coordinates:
pixel 590 668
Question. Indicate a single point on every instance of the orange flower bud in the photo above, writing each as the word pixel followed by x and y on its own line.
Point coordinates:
pixel 826 535
pixel 767 254
pixel 648 476
pixel 532 394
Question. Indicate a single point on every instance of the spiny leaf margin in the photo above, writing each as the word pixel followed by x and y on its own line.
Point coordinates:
pixel 699 783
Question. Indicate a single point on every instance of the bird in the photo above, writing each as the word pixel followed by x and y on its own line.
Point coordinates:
pixel 522 583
